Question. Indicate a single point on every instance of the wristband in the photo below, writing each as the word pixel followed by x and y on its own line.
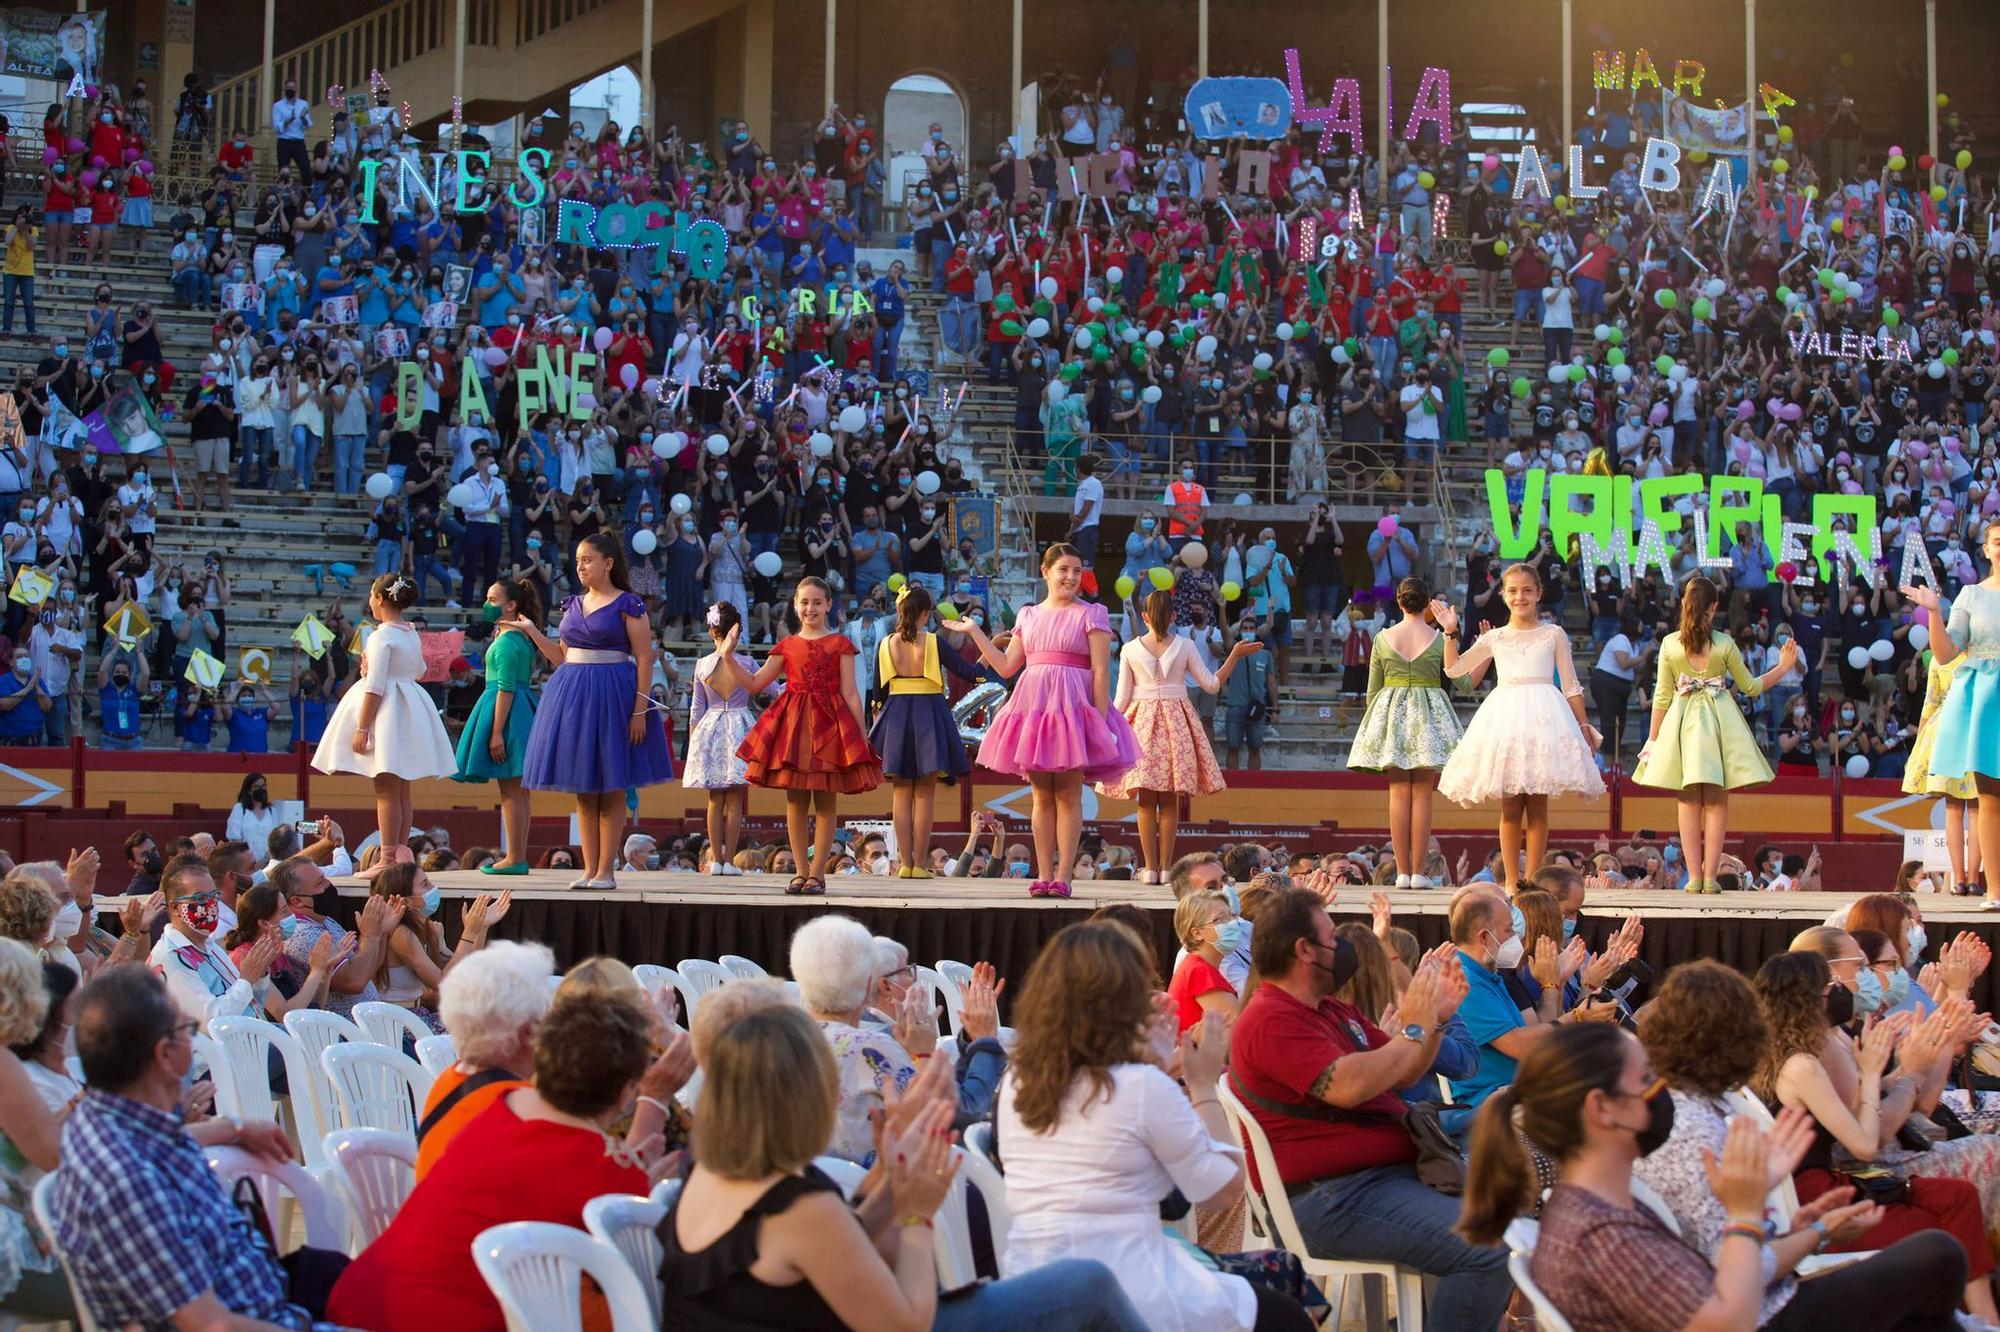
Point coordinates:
pixel 914 1220
pixel 658 1105
pixel 1747 1229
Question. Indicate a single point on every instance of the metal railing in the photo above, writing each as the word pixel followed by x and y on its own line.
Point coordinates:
pixel 1371 475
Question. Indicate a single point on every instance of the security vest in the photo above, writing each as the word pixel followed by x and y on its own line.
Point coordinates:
pixel 1187 499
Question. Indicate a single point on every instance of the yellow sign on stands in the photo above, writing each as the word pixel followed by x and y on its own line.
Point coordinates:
pixel 204 670
pixel 129 623
pixel 31 587
pixel 312 637
pixel 255 665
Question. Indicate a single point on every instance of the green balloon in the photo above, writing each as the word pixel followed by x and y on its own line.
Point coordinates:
pixel 1702 309
pixel 1003 302
pixel 1666 298
pixel 1010 328
pixel 1576 374
pixel 1138 356
pixel 1042 307
pixel 1892 316
pixel 1498 358
pixel 1784 295
pixel 1950 356
pixel 1198 300
pixel 1617 335
pixel 1827 277
pixel 1352 346
pixel 1519 388
pixel 1616 356
pixel 1110 308
pixel 1663 363
pixel 1071 371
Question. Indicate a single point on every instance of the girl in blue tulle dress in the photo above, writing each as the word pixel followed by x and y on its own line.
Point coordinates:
pixel 1968 731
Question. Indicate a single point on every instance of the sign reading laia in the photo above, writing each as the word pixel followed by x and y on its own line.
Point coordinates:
pixel 1850 346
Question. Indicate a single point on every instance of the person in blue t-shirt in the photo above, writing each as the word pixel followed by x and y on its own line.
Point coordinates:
pixel 888 294
pixel 309 706
pixel 23 703
pixel 197 719
pixel 118 709
pixel 248 720
pixel 497 293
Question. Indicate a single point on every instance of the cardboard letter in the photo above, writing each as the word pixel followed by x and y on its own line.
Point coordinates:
pixel 1661 169
pixel 1577 188
pixel 1516 541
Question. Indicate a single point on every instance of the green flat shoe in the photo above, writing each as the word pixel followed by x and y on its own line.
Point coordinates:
pixel 521 868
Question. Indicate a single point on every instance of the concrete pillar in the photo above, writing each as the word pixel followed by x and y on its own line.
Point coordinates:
pixel 646 95
pixel 1753 97
pixel 1930 74
pixel 832 17
pixel 1382 99
pixel 1201 39
pixel 759 56
pixel 266 94
pixel 1569 87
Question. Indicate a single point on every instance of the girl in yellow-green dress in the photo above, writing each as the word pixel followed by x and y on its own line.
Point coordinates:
pixel 1961 795
pixel 1700 747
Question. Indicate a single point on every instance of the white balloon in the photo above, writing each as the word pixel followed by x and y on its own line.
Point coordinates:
pixel 1094 304
pixel 1205 349
pixel 460 495
pixel 1339 354
pixel 1857 657
pixel 644 542
pixel 770 564
pixel 1920 637
pixel 1048 289
pixel 1242 497
pixel 1129 333
pixel 680 504
pixel 1194 554
pixel 668 444
pixel 1285 332
pixel 1084 338
pixel 1678 373
pixel 1058 391
pixel 1151 393
pixel 1602 332
pixel 1114 275
pixel 379 486
pixel 852 419
pixel 927 482
pixel 1038 328
pixel 1857 766
pixel 821 444
pixel 1621 374
pixel 1881 650
pixel 1715 287
pixel 1935 369
pixel 1261 361
pixel 1558 374
pixel 717 445
pixel 1155 338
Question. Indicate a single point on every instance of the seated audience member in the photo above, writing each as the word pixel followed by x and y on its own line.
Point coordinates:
pixel 981 1058
pixel 1095 1134
pixel 491 1006
pixel 1208 930
pixel 293 986
pixel 416 957
pixel 1194 872
pixel 28 911
pixel 1812 1064
pixel 758 1237
pixel 538 1153
pixel 230 865
pixel 1353 1182
pixel 152 1237
pixel 1706 1037
pixel 1378 976
pixel 1587 1095
pixel 1899 921
pixel 310 897
pixel 43 1056
pixel 204 982
pixel 30 1023
pixel 641 853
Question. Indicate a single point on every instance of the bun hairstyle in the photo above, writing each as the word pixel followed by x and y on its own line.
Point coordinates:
pixel 913 611
pixel 1160 611
pixel 395 590
pixel 612 549
pixel 1413 595
pixel 1056 552
pixel 524 595
pixel 1698 598
pixel 722 617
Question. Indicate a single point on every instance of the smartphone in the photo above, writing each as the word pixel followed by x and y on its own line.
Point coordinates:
pixel 311 827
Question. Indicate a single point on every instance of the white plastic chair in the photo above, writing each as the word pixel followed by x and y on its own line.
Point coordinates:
pixel 690 1092
pixel 697 979
pixel 629 1223
pixel 741 968
pixel 1522 1236
pixel 952 1226
pixel 44 1205
pixel 844 1173
pixel 652 977
pixel 1272 1210
pixel 374 1172
pixel 437 1053
pixel 535 1271
pixel 317 1032
pixel 390 1024
pixel 326 1226
pixel 246 1044
pixel 1782 1201
pixel 947 1049
pixel 947 985
pixel 376 1087
pixel 208 1055
pixel 979 1142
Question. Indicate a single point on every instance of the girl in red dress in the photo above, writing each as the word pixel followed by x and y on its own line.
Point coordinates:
pixel 813 742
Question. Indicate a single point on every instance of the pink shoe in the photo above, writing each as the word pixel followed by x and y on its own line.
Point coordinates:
pixel 1039 888
pixel 1057 890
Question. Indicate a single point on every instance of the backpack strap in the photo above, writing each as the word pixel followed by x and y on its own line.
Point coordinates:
pixel 485 1077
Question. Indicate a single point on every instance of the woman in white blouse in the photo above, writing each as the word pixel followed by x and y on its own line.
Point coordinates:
pixel 1093 1133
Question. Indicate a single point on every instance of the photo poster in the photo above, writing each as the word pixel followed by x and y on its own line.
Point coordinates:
pixel 457 283
pixel 242 297
pixel 532 222
pixel 392 342
pixel 37 44
pixel 338 310
pixel 129 419
pixel 441 314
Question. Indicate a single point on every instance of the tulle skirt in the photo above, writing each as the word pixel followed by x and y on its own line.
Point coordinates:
pixel 1050 724
pixel 582 740
pixel 1524 740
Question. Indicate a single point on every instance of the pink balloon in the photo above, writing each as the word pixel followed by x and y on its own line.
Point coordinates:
pixel 1919 450
pixel 50 156
pixel 1745 410
pixel 629 376
pixel 99 160
pixel 601 338
pixel 1850 487
pixel 1740 451
pixel 651 388
pixel 1895 150
pixel 1953 445
pixel 1491 162
pixel 1658 416
pixel 1791 411
pixel 131 154
pixel 494 356
pixel 73 146
pixel 143 166
pixel 1774 406
pixel 1756 468
pixel 1386 524
pixel 89 179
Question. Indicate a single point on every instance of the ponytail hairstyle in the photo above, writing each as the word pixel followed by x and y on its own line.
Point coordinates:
pixel 1413 595
pixel 612 549
pixel 523 594
pixel 1160 611
pixel 1698 598
pixel 1545 1106
pixel 913 611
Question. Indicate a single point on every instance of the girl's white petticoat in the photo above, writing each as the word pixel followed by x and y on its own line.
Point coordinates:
pixel 1524 740
pixel 409 740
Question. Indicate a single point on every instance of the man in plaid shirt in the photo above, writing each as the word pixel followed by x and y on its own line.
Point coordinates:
pixel 152 1239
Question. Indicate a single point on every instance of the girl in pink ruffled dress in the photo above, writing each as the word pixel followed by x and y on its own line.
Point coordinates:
pixel 1058 729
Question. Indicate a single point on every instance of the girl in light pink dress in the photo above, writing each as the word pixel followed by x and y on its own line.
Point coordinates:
pixel 1058 729
pixel 1175 756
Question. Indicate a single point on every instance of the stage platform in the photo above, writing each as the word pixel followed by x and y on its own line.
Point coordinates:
pixel 665 917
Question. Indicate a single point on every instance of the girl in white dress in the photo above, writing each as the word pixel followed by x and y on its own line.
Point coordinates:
pixel 1530 739
pixel 387 728
pixel 717 724
pixel 1175 757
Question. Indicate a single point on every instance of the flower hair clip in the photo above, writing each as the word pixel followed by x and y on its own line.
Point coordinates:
pixel 715 616
pixel 402 584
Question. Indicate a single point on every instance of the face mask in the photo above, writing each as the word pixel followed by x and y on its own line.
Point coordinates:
pixel 1868 997
pixel 1231 935
pixel 1508 955
pixel 203 915
pixel 67 922
pixel 432 900
pixel 1343 965
pixel 1899 989
pixel 288 927
pixel 1917 940
pixel 1019 867
pixel 490 612
pixel 1187 473
pixel 1569 929
pixel 1839 1006
pixel 1659 1123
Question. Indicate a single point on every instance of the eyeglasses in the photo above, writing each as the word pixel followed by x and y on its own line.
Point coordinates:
pixel 181 1030
pixel 902 975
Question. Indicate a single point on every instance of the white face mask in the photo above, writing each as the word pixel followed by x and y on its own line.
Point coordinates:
pixel 1509 955
pixel 67 922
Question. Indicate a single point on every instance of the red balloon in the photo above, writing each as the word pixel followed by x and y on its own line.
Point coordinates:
pixel 1925 161
pixel 1787 571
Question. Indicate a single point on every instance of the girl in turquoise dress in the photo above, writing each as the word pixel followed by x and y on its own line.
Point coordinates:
pixel 1700 747
pixel 1408 728
pixel 1960 794
pixel 1968 737
pixel 495 739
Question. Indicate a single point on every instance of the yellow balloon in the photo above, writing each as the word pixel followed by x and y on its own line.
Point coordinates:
pixel 1160 577
pixel 1943 100
pixel 1964 158
pixel 1784 134
pixel 1231 591
pixel 1836 226
pixel 1779 166
pixel 1697 155
pixel 1812 192
pixel 1937 193
pixel 1898 162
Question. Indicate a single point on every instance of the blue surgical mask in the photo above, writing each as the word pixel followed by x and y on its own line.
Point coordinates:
pixel 1231 935
pixel 1671 854
pixel 1235 902
pixel 1520 921
pixel 1868 998
pixel 288 926
pixel 1569 930
pixel 433 899
pixel 1917 940
pixel 1899 988
pixel 1019 867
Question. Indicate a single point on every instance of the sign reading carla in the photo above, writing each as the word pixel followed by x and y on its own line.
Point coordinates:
pixel 1598 512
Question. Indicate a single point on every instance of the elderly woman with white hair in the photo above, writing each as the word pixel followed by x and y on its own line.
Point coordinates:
pixel 491 1004
pixel 839 971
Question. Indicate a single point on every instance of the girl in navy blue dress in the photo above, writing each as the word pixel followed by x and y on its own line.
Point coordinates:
pixel 915 733
pixel 595 733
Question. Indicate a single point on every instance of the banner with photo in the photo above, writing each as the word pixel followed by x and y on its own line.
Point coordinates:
pixel 1691 126
pixel 976 518
pixel 38 44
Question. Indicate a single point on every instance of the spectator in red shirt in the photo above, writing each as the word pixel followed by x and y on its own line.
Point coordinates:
pixel 1448 301
pixel 1531 274
pixel 235 156
pixel 1591 271
pixel 1209 929
pixel 1320 1079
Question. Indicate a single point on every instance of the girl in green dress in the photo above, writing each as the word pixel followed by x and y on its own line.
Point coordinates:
pixel 1408 728
pixel 495 739
pixel 1700 747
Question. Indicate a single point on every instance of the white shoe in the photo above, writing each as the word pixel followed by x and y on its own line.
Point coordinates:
pixel 727 870
pixel 1402 881
pixel 453 605
pixel 1421 881
pixel 1990 904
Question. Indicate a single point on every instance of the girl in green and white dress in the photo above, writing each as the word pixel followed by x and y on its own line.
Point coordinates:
pixel 1408 728
pixel 1700 747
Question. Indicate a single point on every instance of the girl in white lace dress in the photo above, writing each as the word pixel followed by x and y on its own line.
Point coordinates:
pixel 1529 740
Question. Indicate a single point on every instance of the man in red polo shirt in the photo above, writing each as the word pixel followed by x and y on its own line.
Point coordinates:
pixel 1321 1079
